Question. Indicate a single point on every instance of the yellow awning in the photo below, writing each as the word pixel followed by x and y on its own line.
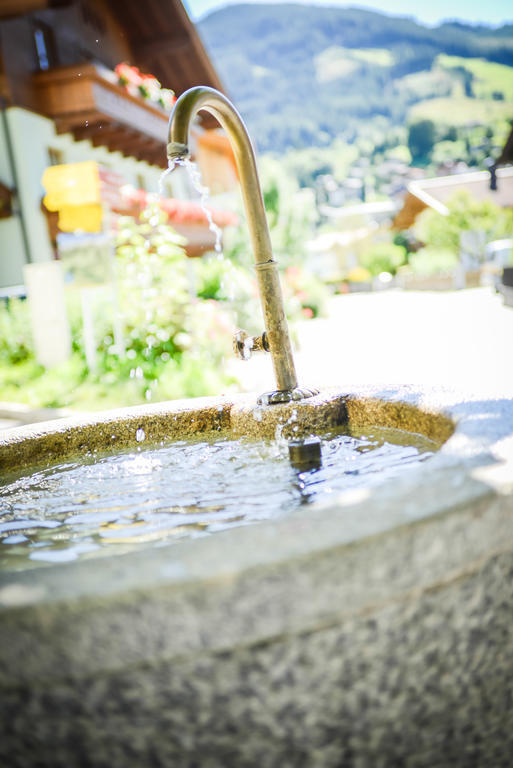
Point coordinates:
pixel 74 191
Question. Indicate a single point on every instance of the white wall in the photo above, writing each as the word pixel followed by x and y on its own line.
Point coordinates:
pixel 32 137
pixel 11 238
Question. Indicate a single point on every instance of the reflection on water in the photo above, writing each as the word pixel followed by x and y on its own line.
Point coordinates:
pixel 154 494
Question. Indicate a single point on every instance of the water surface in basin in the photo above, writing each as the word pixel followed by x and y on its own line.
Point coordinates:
pixel 104 503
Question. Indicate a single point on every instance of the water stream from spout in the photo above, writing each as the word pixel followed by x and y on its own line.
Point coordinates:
pixel 203 192
pixel 171 165
pixel 228 282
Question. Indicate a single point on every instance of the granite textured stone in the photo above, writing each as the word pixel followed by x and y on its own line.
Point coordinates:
pixel 375 629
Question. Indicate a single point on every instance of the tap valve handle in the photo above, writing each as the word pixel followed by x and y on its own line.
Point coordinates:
pixel 244 344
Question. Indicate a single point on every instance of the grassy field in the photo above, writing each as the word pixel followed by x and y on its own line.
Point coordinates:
pixel 488 77
pixel 461 110
pixel 336 62
pixel 428 84
pixel 381 57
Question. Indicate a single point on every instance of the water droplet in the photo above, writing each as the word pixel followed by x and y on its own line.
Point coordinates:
pixel 140 435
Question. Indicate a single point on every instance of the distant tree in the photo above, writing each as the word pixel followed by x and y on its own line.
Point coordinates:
pixel 448 151
pixel 421 139
pixel 291 216
pixel 466 78
pixel 452 134
pixel 465 212
pixel 383 257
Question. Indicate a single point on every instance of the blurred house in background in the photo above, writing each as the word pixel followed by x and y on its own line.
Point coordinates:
pixel 497 187
pixel 353 229
pixel 62 102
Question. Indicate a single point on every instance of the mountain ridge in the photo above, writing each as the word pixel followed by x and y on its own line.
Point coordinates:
pixel 294 72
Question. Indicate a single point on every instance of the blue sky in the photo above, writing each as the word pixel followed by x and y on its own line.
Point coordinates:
pixel 493 12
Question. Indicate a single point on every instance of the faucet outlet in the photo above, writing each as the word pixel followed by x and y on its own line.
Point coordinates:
pixel 177 151
pixel 305 454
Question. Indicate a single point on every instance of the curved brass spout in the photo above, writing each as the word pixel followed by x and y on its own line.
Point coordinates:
pixel 186 108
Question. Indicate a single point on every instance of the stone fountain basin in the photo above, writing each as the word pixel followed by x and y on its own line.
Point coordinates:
pixel 376 629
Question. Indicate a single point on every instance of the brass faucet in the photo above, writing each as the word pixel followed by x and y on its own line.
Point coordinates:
pixel 276 337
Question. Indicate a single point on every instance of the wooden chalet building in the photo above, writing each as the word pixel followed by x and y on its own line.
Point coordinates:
pixel 495 185
pixel 437 192
pixel 61 102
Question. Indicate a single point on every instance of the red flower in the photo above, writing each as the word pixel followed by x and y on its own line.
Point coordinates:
pixel 293 271
pixel 150 87
pixel 146 85
pixel 128 75
pixel 182 211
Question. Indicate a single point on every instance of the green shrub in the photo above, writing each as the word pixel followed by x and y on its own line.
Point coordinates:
pixel 173 345
pixel 432 261
pixel 15 332
pixel 383 257
pixel 421 139
pixel 290 214
pixel 304 294
pixel 465 213
pixel 219 278
pixel 164 327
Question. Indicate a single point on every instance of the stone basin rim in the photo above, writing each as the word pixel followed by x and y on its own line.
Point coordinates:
pixel 268 543
pixel 60 438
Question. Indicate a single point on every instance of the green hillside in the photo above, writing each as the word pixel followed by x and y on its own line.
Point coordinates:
pixel 487 78
pixel 460 110
pixel 303 75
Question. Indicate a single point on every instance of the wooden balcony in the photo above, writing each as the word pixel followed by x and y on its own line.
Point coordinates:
pixel 87 101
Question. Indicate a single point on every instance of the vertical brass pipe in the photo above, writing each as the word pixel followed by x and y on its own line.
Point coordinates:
pixel 187 106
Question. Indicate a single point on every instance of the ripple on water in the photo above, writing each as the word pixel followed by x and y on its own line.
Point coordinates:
pixel 115 502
